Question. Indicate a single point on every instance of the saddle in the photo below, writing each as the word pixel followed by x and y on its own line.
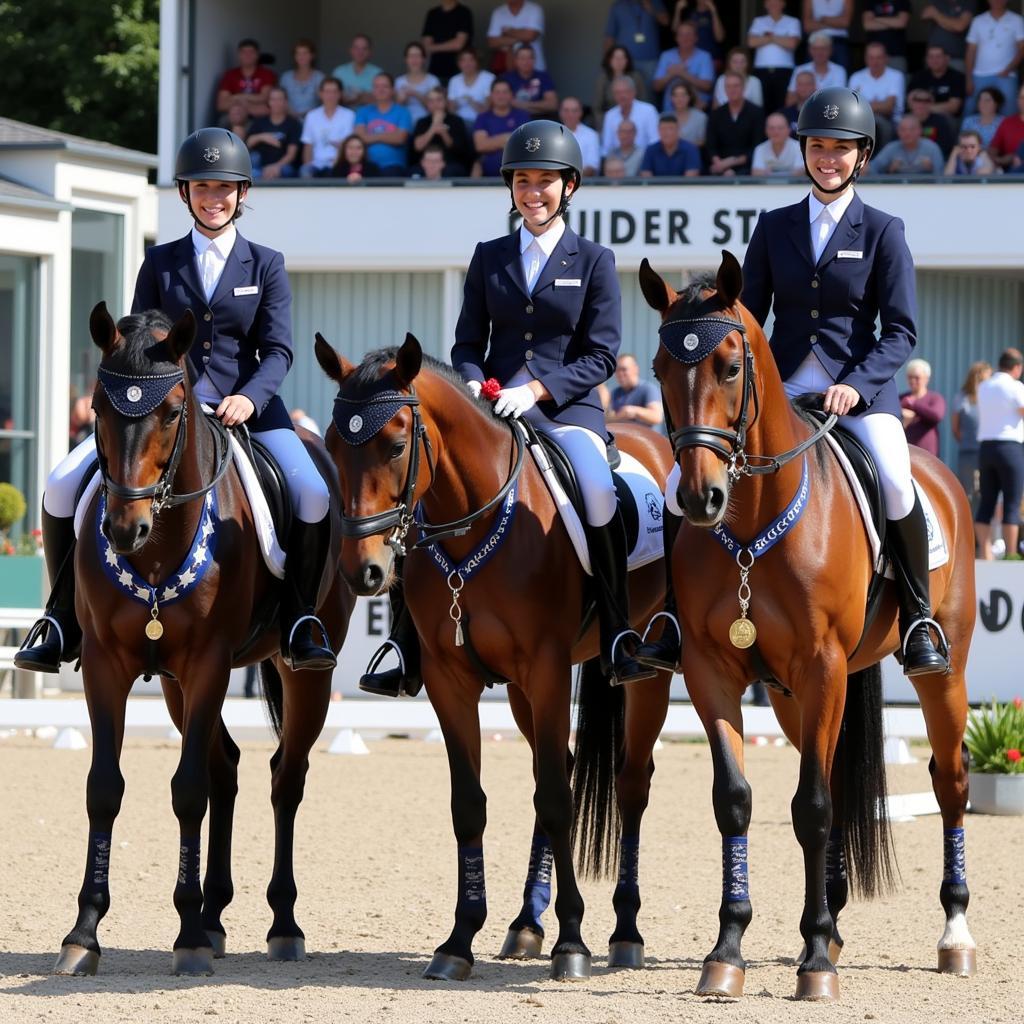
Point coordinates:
pixel 271 481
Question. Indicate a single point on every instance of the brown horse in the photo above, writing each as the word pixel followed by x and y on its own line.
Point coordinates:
pixel 736 440
pixel 174 501
pixel 423 440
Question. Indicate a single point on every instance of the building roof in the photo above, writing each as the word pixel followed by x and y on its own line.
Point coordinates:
pixel 13 193
pixel 18 135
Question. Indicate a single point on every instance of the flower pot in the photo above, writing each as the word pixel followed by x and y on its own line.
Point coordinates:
pixel 992 793
pixel 22 581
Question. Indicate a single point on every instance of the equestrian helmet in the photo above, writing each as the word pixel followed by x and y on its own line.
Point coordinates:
pixel 837 113
pixel 213 154
pixel 546 145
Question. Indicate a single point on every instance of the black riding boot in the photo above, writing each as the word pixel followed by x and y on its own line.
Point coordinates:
pixel 405 642
pixel 665 652
pixel 304 641
pixel 59 629
pixel 607 545
pixel 908 542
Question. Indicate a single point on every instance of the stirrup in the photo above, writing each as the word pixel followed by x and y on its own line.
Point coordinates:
pixel 641 671
pixel 398 682
pixel 671 618
pixel 941 647
pixel 318 661
pixel 28 646
pixel 651 657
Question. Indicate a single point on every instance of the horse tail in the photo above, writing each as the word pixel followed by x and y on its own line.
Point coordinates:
pixel 863 810
pixel 273 694
pixel 600 727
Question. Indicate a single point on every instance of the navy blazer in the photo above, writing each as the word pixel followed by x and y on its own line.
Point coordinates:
pixel 865 273
pixel 244 337
pixel 567 332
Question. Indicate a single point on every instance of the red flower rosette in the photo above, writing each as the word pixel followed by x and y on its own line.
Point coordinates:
pixel 1013 754
pixel 490 389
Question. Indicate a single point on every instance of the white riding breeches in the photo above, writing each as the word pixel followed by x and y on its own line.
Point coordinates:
pixel 62 484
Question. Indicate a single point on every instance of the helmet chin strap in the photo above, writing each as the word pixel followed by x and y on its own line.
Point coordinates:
pixel 862 159
pixel 186 194
pixel 563 203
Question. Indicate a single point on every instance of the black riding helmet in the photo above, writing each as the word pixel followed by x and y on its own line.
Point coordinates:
pixel 213 154
pixel 544 145
pixel 838 113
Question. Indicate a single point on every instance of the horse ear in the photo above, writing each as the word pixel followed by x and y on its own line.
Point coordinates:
pixel 409 360
pixel 657 291
pixel 102 327
pixel 181 336
pixel 332 362
pixel 729 282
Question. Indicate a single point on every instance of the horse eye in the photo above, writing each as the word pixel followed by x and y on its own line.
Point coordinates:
pixel 173 415
pixel 733 372
pixel 398 449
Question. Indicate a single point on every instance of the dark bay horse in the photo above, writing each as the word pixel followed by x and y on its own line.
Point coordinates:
pixel 184 581
pixel 423 440
pixel 734 434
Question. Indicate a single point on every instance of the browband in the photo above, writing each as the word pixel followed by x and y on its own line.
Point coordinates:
pixel 137 395
pixel 358 420
pixel 694 339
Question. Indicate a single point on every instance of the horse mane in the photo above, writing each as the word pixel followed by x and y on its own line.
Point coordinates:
pixel 139 352
pixel 693 295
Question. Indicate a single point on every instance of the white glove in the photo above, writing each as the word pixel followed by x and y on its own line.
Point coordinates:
pixel 474 386
pixel 513 402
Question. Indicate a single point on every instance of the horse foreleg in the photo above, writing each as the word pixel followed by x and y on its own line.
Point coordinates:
pixel 218 888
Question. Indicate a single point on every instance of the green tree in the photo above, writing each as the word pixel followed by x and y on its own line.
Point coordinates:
pixel 88 67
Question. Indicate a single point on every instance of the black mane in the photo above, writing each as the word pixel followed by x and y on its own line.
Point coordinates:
pixel 139 352
pixel 692 301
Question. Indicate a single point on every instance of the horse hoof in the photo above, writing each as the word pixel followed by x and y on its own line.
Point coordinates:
pixel 218 943
pixel 834 951
pixel 961 962
pixel 77 961
pixel 570 966
pixel 286 948
pixel 445 967
pixel 626 954
pixel 521 944
pixel 194 962
pixel 817 986
pixel 724 981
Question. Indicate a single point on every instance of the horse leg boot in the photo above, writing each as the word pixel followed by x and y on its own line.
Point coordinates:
pixel 308 549
pixel 405 642
pixel 63 636
pixel 908 541
pixel 607 545
pixel 667 651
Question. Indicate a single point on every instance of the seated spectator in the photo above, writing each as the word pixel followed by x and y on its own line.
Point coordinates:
pixel 1017 163
pixel 627 152
pixel 432 166
pixel 635 26
pixel 617 62
pixel 995 43
pixel 986 119
pixel 353 164
pixel 357 75
pixel 324 129
pixel 512 24
pixel 693 123
pixel 686 63
pixel 384 126
pixel 883 87
pixel 273 140
pixel 922 410
pixel 493 127
pixel 804 91
pixel 627 107
pixel 447 31
pixel 936 127
pixel 969 156
pixel 302 83
pixel 774 37
pixel 441 129
pixel 947 85
pixel 733 131
pixel 950 20
pixel 703 16
pixel 885 22
pixel 614 168
pixel 470 90
pixel 532 90
pixel 826 72
pixel 570 113
pixel 909 153
pixel 834 18
pixel 779 154
pixel 412 87
pixel 237 118
pixel 737 60
pixel 1009 135
pixel 633 400
pixel 670 156
pixel 249 83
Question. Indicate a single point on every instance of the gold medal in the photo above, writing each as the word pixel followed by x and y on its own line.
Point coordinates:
pixel 155 629
pixel 742 633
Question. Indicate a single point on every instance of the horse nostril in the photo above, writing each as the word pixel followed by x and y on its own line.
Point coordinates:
pixel 143 531
pixel 105 527
pixel 716 499
pixel 373 576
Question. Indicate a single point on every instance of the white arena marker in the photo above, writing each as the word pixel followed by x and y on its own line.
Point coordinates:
pixel 896 751
pixel 434 736
pixel 348 741
pixel 46 732
pixel 70 739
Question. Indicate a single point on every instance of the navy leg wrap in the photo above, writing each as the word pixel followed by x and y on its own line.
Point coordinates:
pixel 954 856
pixel 734 869
pixel 188 862
pixel 472 901
pixel 537 891
pixel 97 865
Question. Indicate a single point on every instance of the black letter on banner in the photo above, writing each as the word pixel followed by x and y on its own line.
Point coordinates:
pixel 376 617
pixel 652 229
pixel 724 231
pixel 597 226
pixel 619 217
pixel 991 617
pixel 746 216
pixel 677 222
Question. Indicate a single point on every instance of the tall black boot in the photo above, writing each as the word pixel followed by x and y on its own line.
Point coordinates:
pixel 607 545
pixel 58 628
pixel 405 642
pixel 304 641
pixel 667 651
pixel 908 542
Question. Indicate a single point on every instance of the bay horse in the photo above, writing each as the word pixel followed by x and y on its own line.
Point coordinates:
pixel 743 453
pixel 423 440
pixel 186 582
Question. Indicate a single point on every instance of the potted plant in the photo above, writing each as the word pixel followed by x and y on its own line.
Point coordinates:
pixel 995 741
pixel 21 568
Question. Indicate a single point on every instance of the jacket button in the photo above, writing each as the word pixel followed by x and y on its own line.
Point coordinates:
pixel 528 335
pixel 207 316
pixel 529 353
pixel 206 359
pixel 814 338
pixel 206 344
pixel 814 314
pixel 814 283
pixel 529 309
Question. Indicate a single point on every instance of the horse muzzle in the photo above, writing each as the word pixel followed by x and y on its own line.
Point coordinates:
pixel 367 575
pixel 703 507
pixel 127 536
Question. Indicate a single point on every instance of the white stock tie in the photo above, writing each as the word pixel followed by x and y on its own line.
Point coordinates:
pixel 821 231
pixel 533 258
pixel 208 270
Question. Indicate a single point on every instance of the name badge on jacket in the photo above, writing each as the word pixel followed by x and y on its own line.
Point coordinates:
pixel 252 289
pixel 850 254
pixel 568 282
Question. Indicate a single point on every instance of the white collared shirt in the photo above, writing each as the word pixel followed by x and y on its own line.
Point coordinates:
pixel 821 231
pixel 535 257
pixel 212 256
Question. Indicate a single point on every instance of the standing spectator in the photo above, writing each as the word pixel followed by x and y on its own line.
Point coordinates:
pixel 412 87
pixel 703 15
pixel 833 17
pixel 447 31
pixel 617 62
pixel 995 46
pixel 670 156
pixel 627 107
pixel 1001 452
pixel 883 87
pixel 353 164
pixel 804 91
pixel 633 400
pixel 885 22
pixel 774 37
pixel 512 24
pixel 686 63
pixel 324 129
pixel 493 127
pixel 533 91
pixel 302 83
pixel 947 85
pixel 779 154
pixel 737 60
pixel 384 126
pixel 986 119
pixel 693 123
pixel 969 156
pixel 635 25
pixel 950 20
pixel 964 423
pixel 923 410
pixel 274 140
pixel 826 72
pixel 357 75
pixel 1009 135
pixel 570 113
pixel 936 127
pixel 432 166
pixel 909 153
pixel 627 152
pixel 733 131
pixel 248 84
pixel 470 90
pixel 439 128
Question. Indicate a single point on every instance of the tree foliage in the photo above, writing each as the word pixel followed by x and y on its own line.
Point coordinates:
pixel 88 67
